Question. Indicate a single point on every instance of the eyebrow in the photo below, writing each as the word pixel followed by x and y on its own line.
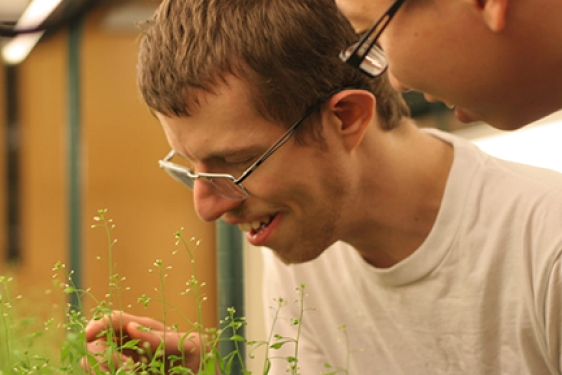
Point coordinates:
pixel 222 155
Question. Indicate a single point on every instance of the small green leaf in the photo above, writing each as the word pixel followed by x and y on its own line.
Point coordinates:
pixel 237 338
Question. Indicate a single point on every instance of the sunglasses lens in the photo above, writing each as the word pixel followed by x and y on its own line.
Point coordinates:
pixel 374 63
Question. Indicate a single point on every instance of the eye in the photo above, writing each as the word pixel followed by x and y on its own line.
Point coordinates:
pixel 242 163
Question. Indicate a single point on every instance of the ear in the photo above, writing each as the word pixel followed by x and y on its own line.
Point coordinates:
pixel 493 13
pixel 353 111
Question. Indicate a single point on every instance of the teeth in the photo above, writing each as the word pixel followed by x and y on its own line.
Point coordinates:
pixel 450 106
pixel 255 225
pixel 245 227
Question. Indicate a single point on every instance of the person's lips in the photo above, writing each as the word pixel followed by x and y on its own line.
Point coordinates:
pixel 463 116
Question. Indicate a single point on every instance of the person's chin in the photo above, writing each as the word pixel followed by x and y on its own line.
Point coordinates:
pixel 296 255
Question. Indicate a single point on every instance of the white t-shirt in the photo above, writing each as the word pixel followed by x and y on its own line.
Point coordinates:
pixel 481 295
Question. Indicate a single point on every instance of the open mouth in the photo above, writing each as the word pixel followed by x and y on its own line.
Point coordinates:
pixel 255 227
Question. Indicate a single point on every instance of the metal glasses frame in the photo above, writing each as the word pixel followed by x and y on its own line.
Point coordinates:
pixel 187 177
pixel 365 55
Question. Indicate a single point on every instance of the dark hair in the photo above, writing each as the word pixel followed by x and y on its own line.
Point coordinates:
pixel 285 50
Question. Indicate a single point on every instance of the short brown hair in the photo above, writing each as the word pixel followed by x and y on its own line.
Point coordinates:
pixel 286 50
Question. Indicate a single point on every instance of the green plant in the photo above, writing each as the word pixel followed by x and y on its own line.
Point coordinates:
pixel 22 338
pixel 36 338
pixel 331 370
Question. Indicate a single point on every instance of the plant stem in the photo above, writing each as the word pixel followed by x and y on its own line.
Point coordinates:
pixel 194 283
pixel 267 360
pixel 294 368
pixel 7 323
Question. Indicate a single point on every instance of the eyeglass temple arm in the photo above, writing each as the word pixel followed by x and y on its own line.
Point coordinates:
pixel 267 154
pixel 288 134
pixel 170 155
pixel 355 58
pixel 276 145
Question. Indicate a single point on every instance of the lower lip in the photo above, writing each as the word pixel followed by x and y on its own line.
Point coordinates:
pixel 261 238
pixel 463 116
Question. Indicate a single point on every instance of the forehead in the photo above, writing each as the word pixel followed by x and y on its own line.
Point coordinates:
pixel 223 122
pixel 362 13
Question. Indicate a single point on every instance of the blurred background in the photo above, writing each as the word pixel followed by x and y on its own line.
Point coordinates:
pixel 75 138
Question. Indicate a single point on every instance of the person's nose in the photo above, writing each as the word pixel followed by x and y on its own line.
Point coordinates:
pixel 209 204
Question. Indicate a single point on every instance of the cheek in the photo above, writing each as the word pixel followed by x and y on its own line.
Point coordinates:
pixel 296 186
pixel 361 13
pixel 416 60
pixel 396 48
pixel 298 177
pixel 279 186
pixel 402 68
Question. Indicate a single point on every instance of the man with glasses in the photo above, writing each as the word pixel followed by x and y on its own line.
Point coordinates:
pixel 498 61
pixel 436 257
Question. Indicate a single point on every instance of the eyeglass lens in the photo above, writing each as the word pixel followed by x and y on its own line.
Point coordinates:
pixel 374 62
pixel 221 185
pixel 225 187
pixel 178 175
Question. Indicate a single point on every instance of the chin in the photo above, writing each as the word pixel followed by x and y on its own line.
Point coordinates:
pixel 299 254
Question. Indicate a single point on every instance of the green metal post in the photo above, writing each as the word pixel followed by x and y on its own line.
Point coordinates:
pixel 74 156
pixel 231 282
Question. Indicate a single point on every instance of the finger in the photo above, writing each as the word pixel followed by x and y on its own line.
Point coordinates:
pixel 101 357
pixel 179 348
pixel 116 321
pixel 173 340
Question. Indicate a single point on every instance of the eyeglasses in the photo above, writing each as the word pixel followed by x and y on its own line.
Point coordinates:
pixel 225 184
pixel 365 55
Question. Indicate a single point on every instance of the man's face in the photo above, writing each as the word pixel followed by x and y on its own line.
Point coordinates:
pixel 441 48
pixel 295 196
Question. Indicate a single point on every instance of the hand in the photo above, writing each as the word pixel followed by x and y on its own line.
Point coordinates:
pixel 168 347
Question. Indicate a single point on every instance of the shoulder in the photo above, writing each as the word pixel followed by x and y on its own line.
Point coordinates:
pixel 495 173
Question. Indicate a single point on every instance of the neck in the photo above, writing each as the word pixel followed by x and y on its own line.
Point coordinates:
pixel 535 33
pixel 538 93
pixel 407 178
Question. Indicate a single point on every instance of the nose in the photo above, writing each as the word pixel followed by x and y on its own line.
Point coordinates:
pixel 210 205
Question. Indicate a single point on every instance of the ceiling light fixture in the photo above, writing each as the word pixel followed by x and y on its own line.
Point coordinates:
pixel 17 49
